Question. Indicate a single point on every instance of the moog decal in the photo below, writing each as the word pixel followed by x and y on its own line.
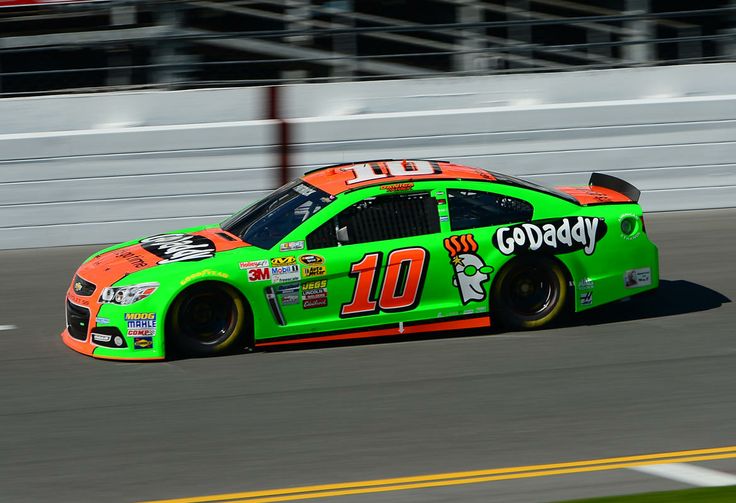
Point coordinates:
pixel 179 247
pixel 562 235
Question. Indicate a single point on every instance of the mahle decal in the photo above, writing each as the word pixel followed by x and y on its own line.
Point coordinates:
pixel 470 270
pixel 562 235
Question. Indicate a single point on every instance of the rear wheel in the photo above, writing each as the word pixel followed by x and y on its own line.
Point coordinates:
pixel 207 319
pixel 530 292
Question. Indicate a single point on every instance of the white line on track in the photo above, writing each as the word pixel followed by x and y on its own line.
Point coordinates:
pixel 7 327
pixel 689 474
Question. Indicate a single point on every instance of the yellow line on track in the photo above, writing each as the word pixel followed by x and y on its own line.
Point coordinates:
pixel 458 478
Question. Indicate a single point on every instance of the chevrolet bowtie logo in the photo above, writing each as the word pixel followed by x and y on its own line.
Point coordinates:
pixel 77 286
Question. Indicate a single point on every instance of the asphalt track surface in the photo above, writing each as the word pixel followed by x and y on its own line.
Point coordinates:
pixel 649 375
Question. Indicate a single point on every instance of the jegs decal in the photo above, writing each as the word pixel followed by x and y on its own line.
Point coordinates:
pixel 179 247
pixel 470 270
pixel 406 269
pixel 563 235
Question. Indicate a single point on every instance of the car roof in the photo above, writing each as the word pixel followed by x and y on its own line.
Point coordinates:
pixel 343 177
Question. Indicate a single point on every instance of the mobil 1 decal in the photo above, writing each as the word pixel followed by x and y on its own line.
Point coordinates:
pixel 179 247
pixel 401 288
pixel 470 270
pixel 560 235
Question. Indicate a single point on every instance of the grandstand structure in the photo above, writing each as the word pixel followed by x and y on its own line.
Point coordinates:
pixel 51 46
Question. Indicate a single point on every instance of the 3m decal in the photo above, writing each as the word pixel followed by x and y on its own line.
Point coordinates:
pixel 142 343
pixel 285 274
pixel 279 261
pixel 254 263
pixel 291 246
pixel 259 274
pixel 179 247
pixel 406 269
pixel 312 260
pixel 563 235
pixel 375 170
pixel 311 271
pixel 470 270
pixel 638 277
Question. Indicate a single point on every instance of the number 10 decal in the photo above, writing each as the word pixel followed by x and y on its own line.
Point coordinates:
pixel 406 269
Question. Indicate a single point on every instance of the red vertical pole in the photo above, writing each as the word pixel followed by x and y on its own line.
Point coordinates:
pixel 282 132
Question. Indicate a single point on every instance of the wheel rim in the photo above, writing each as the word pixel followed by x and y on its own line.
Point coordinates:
pixel 531 291
pixel 208 317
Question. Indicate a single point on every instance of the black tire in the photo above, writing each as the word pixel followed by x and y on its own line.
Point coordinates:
pixel 529 292
pixel 207 319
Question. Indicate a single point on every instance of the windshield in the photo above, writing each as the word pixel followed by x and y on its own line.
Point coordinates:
pixel 268 221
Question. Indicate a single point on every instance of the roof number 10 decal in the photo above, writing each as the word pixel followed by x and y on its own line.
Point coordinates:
pixel 406 269
pixel 377 170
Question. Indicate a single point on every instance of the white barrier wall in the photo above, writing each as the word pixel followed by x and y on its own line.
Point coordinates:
pixel 108 167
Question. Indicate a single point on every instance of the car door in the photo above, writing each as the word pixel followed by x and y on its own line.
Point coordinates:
pixel 475 212
pixel 369 265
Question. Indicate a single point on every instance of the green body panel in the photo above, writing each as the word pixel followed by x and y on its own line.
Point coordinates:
pixel 600 273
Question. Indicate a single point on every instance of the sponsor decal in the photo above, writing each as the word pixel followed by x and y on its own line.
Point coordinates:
pixel 312 260
pixel 142 343
pixel 102 321
pixel 278 261
pixel 251 264
pixel 311 285
pixel 145 322
pixel 312 303
pixel 288 299
pixel 470 272
pixel 259 274
pixel 638 277
pixel 137 332
pixel 315 293
pixel 179 247
pixel 396 187
pixel 285 274
pixel 586 298
pixel 101 337
pixel 291 246
pixel 203 274
pixel 444 219
pixel 132 258
pixel 304 190
pixel 311 271
pixel 481 309
pixel 78 300
pixel 562 235
pixel 586 284
pixel 287 288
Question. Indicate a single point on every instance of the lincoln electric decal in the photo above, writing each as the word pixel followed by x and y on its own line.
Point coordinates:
pixel 470 270
pixel 562 235
pixel 179 247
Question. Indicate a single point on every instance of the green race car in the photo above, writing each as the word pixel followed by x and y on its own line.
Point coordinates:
pixel 380 248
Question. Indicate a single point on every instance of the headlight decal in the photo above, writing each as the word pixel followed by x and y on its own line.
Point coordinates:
pixel 126 295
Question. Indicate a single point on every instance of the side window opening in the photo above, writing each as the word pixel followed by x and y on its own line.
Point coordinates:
pixel 472 208
pixel 379 218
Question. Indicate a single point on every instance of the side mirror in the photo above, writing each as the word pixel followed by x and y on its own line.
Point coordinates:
pixel 342 235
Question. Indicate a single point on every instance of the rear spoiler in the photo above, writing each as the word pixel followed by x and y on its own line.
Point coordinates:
pixel 613 183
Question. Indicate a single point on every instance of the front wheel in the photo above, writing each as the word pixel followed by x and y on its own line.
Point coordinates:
pixel 528 293
pixel 207 319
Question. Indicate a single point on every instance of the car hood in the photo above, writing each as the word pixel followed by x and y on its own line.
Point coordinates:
pixel 112 265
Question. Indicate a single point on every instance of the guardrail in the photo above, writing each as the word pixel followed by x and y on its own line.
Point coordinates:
pixel 104 168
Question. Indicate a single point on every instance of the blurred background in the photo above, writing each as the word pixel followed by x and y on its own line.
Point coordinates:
pixel 122 118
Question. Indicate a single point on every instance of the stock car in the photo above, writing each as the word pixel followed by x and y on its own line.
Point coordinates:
pixel 370 249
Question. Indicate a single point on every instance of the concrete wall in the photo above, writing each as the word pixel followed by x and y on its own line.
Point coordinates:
pixel 107 167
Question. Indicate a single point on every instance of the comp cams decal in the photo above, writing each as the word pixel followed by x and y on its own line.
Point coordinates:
pixel 141 324
pixel 179 247
pixel 557 236
pixel 470 270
